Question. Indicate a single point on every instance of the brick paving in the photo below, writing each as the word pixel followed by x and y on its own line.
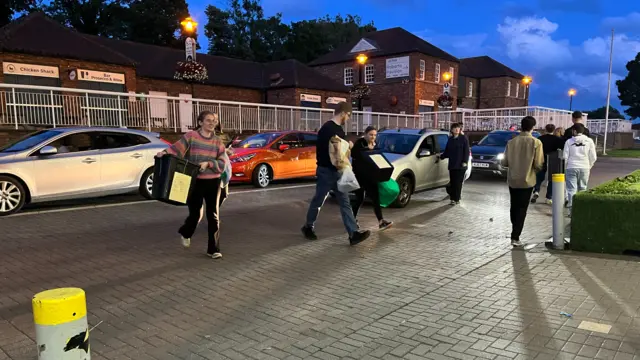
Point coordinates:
pixel 442 284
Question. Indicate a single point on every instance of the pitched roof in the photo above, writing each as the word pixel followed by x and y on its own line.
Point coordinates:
pixel 394 41
pixel 485 67
pixel 293 73
pixel 38 34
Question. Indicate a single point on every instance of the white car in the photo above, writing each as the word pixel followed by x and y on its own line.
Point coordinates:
pixel 415 156
pixel 70 163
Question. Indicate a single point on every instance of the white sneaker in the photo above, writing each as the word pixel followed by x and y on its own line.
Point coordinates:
pixel 549 202
pixel 516 243
pixel 215 255
pixel 186 243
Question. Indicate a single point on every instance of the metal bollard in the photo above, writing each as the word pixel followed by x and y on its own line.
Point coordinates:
pixel 60 317
pixel 558 211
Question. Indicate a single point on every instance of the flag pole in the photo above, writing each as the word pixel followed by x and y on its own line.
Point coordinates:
pixel 606 116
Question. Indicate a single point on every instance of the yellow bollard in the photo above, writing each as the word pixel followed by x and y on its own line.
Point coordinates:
pixel 60 317
pixel 557 210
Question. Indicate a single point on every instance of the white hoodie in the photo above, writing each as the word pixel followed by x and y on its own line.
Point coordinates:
pixel 580 152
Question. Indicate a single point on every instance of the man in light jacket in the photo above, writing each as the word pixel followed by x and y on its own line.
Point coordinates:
pixel 580 156
pixel 524 157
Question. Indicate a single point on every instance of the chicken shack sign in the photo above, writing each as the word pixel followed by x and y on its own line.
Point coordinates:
pixel 11 68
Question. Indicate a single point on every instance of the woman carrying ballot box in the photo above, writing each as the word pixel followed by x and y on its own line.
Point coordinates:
pixel 204 148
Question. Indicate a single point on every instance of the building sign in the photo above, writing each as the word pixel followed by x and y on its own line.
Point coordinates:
pixel 311 98
pixel 12 68
pixel 427 103
pixel 397 67
pixel 335 100
pixel 446 88
pixel 100 76
pixel 190 49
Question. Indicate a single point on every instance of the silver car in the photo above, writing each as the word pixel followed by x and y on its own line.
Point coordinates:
pixel 70 163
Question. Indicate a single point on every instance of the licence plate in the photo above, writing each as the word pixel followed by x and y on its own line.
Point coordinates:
pixel 481 165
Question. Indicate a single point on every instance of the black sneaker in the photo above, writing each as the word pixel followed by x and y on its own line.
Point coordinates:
pixel 308 233
pixel 384 225
pixel 358 237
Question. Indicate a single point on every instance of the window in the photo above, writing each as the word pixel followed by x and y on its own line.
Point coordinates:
pixel 348 76
pixel 115 140
pixel 369 74
pixel 517 89
pixel 293 140
pixel 309 140
pixel 423 68
pixel 442 142
pixel 470 93
pixel 74 143
pixel 453 75
pixel 428 144
pixel 508 88
pixel 396 143
pixel 29 141
pixel 257 141
pixel 437 74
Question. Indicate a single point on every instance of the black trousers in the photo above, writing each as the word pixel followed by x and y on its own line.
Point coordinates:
pixel 520 199
pixel 456 178
pixel 207 190
pixel 368 188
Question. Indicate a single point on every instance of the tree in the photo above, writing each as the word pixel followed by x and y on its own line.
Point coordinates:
pixel 601 112
pixel 94 17
pixel 12 8
pixel 629 88
pixel 157 21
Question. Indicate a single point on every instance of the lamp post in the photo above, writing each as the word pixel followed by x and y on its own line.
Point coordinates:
pixel 526 81
pixel 361 59
pixel 571 93
pixel 189 26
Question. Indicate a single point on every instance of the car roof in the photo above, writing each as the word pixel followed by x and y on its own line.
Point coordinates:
pixel 417 132
pixel 111 129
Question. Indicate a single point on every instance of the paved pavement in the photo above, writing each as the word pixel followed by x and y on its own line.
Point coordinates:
pixel 442 284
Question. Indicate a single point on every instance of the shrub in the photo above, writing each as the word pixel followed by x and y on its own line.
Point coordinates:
pixel 605 218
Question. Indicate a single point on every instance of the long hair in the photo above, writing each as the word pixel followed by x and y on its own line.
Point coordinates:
pixel 201 118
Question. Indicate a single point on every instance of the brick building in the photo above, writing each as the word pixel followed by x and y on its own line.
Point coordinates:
pixel 485 83
pixel 404 72
pixel 37 50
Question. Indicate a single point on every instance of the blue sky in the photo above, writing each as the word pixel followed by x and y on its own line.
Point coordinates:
pixel 562 44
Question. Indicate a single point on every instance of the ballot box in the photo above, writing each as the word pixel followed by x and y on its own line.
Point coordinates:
pixel 377 166
pixel 173 179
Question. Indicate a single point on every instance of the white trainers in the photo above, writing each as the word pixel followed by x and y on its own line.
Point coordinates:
pixel 516 243
pixel 215 255
pixel 186 243
pixel 549 202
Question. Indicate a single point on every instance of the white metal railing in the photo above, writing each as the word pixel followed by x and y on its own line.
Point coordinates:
pixel 360 120
pixel 597 126
pixel 29 105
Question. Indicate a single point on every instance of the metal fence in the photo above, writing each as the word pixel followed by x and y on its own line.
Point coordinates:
pixel 25 105
pixel 360 120
pixel 496 119
pixel 597 126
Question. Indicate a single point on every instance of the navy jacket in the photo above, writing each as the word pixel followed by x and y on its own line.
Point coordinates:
pixel 457 151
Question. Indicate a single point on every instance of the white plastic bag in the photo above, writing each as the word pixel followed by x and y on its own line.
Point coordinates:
pixel 348 182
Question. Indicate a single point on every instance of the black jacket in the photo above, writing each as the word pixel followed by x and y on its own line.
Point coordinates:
pixel 357 155
pixel 457 151
pixel 551 143
pixel 568 134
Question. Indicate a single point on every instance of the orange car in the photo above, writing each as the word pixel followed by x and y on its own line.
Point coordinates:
pixel 264 157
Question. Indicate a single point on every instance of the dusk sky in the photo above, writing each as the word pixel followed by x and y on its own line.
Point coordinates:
pixel 562 44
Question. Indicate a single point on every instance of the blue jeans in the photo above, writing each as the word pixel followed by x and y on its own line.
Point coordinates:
pixel 540 177
pixel 327 181
pixel 576 180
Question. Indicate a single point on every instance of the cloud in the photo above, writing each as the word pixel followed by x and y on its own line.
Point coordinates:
pixel 458 45
pixel 629 23
pixel 595 84
pixel 624 48
pixel 529 39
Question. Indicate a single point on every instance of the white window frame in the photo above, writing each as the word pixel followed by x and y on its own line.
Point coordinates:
pixel 517 89
pixel 508 88
pixel 470 91
pixel 453 75
pixel 437 74
pixel 369 74
pixel 423 69
pixel 348 74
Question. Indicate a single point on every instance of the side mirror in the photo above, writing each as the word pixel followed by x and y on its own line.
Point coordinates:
pixel 283 147
pixel 48 150
pixel 424 153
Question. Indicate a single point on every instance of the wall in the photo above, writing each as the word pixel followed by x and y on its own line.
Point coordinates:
pixel 214 92
pixel 65 65
pixel 493 93
pixel 466 101
pixel 291 96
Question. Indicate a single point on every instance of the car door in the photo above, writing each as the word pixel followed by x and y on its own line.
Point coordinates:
pixel 122 159
pixel 427 171
pixel 309 142
pixel 288 163
pixel 73 170
pixel 443 165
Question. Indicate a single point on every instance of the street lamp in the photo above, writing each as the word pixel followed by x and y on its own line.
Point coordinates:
pixel 571 93
pixel 526 81
pixel 189 25
pixel 361 59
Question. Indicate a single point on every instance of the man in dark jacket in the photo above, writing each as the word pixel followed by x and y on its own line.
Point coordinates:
pixel 576 118
pixel 550 143
pixel 457 151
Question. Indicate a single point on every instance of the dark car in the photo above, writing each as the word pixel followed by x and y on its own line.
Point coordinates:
pixel 489 152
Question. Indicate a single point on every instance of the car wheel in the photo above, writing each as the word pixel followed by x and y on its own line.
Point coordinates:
pixel 146 184
pixel 12 196
pixel 261 177
pixel 406 189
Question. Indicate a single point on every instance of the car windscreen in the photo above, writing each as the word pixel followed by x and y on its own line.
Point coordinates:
pixel 257 141
pixel 396 143
pixel 497 139
pixel 30 141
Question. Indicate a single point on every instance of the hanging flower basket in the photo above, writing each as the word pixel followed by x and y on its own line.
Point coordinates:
pixel 191 71
pixel 445 101
pixel 360 91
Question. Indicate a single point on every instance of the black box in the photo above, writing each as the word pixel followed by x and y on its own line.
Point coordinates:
pixel 173 179
pixel 377 165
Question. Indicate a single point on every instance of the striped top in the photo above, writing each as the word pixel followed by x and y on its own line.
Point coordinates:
pixel 198 148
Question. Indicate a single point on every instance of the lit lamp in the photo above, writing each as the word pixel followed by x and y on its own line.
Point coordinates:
pixel 361 59
pixel 446 76
pixel 189 27
pixel 526 81
pixel 571 93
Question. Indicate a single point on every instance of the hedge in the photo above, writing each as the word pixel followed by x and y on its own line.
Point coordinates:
pixel 606 219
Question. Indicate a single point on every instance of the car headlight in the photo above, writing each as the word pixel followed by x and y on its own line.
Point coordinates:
pixel 500 156
pixel 243 158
